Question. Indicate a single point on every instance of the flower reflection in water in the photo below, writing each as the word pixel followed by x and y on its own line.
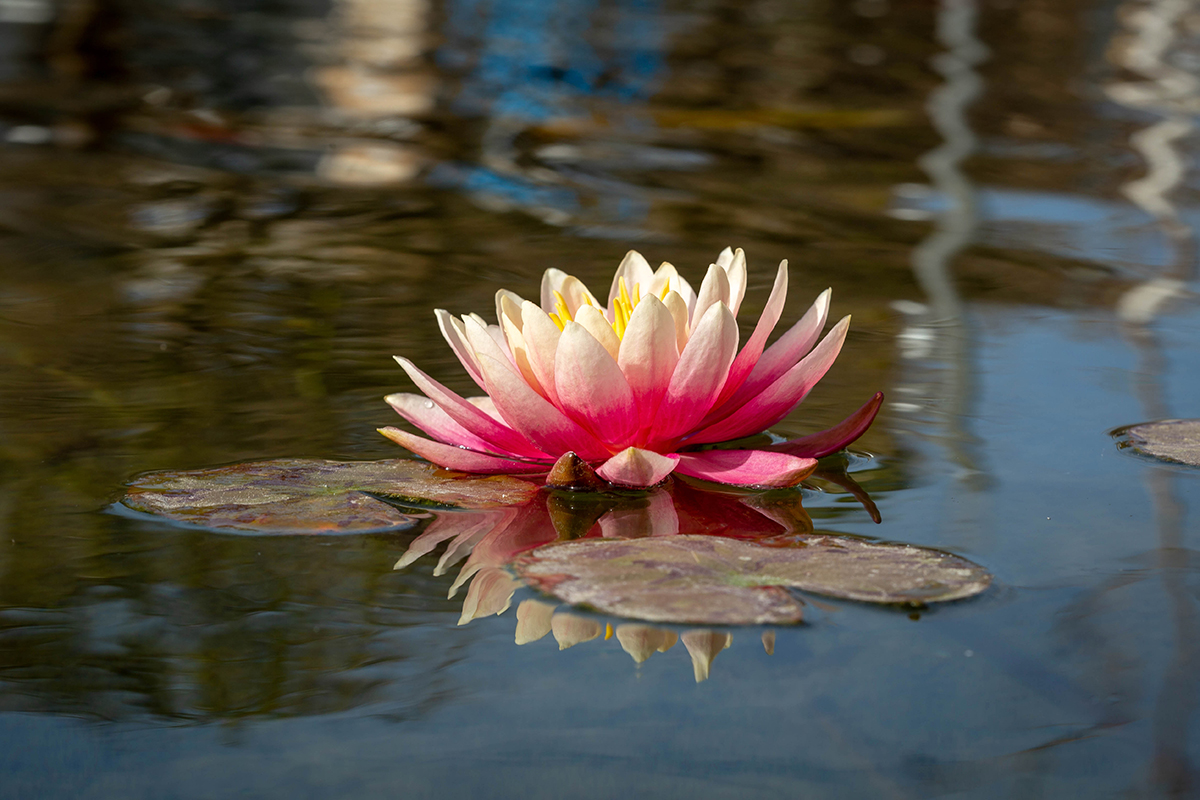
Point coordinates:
pixel 485 541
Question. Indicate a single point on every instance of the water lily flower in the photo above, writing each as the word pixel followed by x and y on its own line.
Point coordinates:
pixel 634 386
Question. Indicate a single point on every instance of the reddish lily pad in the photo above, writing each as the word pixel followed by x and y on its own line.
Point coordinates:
pixel 316 496
pixel 718 581
pixel 1175 440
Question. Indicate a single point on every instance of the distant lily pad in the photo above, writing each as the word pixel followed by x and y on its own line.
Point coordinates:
pixel 718 581
pixel 315 496
pixel 1175 440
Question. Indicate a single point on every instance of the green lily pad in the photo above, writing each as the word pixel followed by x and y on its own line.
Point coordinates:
pixel 1176 440
pixel 717 581
pixel 313 496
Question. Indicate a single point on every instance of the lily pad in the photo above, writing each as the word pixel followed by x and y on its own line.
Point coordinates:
pixel 718 581
pixel 1175 440
pixel 313 496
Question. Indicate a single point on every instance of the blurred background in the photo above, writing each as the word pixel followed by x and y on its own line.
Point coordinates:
pixel 221 219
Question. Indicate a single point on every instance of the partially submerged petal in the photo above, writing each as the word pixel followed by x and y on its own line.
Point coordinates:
pixel 754 468
pixel 840 436
pixel 637 468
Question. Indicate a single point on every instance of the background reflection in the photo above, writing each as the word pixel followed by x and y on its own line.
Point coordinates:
pixel 220 219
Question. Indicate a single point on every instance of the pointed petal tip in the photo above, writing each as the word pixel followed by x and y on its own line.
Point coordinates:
pixel 637 468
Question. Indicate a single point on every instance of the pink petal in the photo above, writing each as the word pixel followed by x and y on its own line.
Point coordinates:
pixel 701 372
pixel 678 307
pixel 638 468
pixel 429 417
pixel 534 417
pixel 592 389
pixel 648 356
pixel 634 269
pixel 451 457
pixel 666 276
pixel 595 323
pixel 714 289
pixel 570 287
pixel 778 399
pixel 836 438
pixel 779 357
pixel 456 337
pixel 753 349
pixel 746 467
pixel 736 271
pixel 530 414
pixel 509 304
pixel 478 422
pixel 541 343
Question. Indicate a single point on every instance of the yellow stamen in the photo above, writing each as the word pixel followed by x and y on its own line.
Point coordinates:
pixel 608 631
pixel 560 305
pixel 554 318
pixel 623 294
pixel 637 294
pixel 666 291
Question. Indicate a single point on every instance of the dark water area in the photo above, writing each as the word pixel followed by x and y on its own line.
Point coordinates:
pixel 220 220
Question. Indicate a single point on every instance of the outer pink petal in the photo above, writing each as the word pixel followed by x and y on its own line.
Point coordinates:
pixel 746 467
pixel 451 457
pixel 836 438
pixel 592 389
pixel 648 356
pixel 480 423
pixel 778 399
pixel 637 468
pixel 779 357
pixel 429 417
pixel 753 349
pixel 701 372
pixel 456 337
pixel 534 417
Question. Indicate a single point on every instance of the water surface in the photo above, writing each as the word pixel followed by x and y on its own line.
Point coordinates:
pixel 221 220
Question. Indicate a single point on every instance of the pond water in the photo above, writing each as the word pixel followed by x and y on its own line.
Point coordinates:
pixel 221 220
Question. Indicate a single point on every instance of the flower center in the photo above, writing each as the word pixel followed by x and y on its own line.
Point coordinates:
pixel 623 306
